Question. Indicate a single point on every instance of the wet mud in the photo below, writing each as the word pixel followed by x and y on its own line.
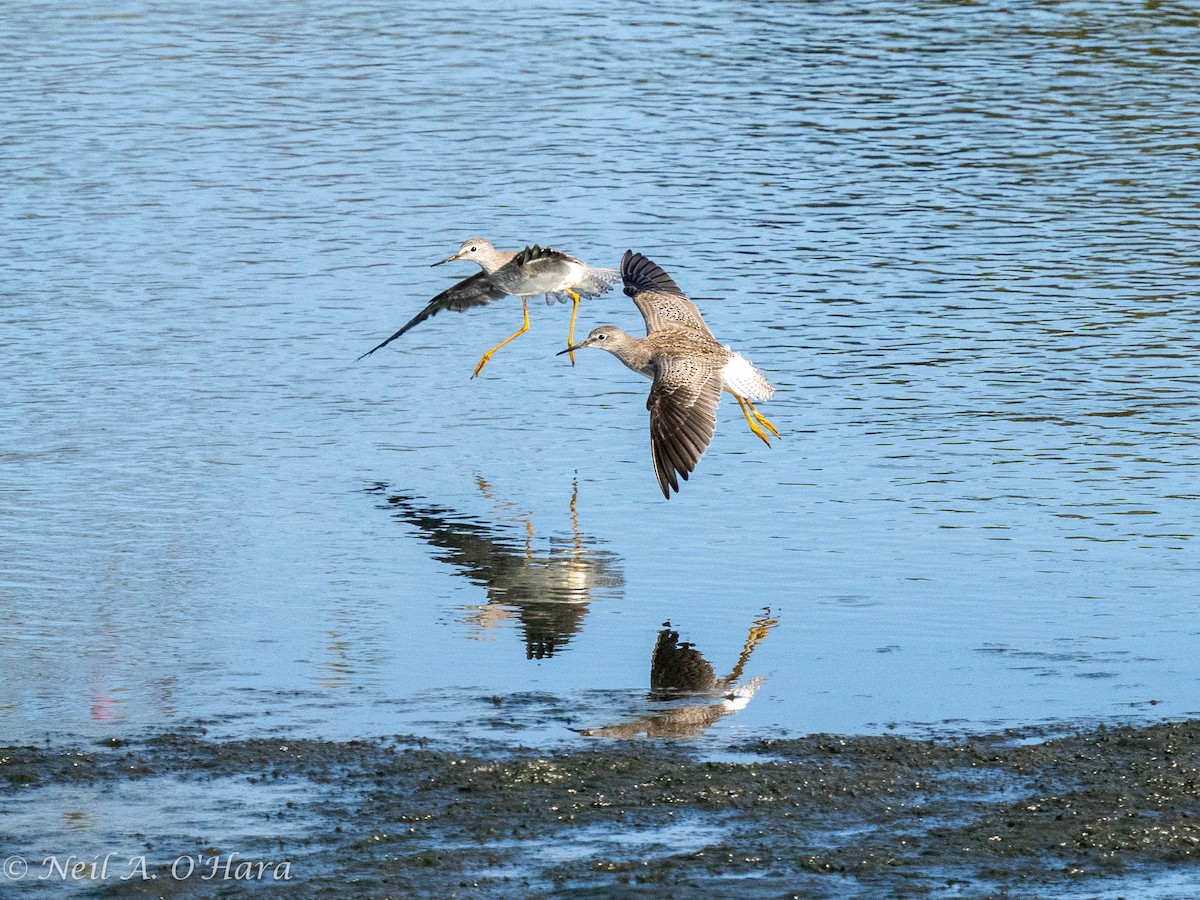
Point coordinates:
pixel 1111 811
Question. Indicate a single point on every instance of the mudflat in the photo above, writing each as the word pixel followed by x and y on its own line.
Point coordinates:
pixel 1028 812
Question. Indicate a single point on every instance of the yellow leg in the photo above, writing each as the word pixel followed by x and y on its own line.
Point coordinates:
pixel 575 532
pixel 571 332
pixel 762 625
pixel 747 406
pixel 524 328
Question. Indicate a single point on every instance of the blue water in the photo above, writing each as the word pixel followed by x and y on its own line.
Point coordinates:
pixel 959 238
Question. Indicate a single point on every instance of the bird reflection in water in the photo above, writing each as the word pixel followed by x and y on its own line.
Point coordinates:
pixel 679 672
pixel 547 588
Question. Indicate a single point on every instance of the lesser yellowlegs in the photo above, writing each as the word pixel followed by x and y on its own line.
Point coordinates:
pixel 679 671
pixel 547 586
pixel 689 368
pixel 524 273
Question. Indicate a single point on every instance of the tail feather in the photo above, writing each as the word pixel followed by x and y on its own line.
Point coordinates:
pixel 598 281
pixel 743 377
pixel 593 283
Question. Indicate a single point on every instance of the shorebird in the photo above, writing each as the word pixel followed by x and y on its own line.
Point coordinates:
pixel 523 273
pixel 548 587
pixel 678 671
pixel 689 368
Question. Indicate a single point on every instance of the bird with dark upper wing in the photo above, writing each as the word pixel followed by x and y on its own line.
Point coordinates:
pixel 689 368
pixel 524 273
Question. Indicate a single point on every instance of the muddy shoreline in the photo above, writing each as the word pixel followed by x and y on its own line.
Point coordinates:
pixel 1020 813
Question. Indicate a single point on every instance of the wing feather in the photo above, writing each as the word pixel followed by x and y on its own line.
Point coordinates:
pixel 531 254
pixel 658 297
pixel 683 416
pixel 478 290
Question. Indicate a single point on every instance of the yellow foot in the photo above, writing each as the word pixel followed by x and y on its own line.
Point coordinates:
pixel 482 362
pixel 763 420
pixel 762 625
pixel 757 634
pixel 747 406
pixel 762 434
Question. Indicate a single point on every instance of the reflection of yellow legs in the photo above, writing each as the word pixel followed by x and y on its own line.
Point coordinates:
pixel 576 535
pixel 762 625
pixel 571 333
pixel 507 506
pixel 747 410
pixel 524 328
pixel 578 567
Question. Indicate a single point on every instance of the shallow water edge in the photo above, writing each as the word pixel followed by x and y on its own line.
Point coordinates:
pixel 1026 812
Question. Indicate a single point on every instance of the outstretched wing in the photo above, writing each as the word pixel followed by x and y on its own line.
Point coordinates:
pixel 659 298
pixel 478 290
pixel 683 416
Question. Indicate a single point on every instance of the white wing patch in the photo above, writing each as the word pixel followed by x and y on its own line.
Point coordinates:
pixel 742 377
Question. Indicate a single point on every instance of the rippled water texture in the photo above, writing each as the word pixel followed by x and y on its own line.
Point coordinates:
pixel 959 238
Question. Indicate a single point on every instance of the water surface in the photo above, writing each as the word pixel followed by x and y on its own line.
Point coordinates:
pixel 958 237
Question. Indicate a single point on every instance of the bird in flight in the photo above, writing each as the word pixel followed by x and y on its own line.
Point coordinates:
pixel 688 366
pixel 522 273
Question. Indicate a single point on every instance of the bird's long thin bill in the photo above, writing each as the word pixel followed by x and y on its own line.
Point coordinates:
pixel 569 349
pixel 442 262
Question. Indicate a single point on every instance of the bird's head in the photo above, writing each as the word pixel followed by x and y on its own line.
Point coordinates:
pixel 606 337
pixel 478 250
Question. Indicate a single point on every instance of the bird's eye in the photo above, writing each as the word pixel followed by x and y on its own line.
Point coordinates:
pixel 601 337
pixel 472 249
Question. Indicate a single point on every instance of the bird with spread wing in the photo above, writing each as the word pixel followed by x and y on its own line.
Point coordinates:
pixel 688 366
pixel 523 273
